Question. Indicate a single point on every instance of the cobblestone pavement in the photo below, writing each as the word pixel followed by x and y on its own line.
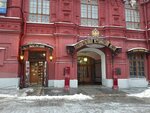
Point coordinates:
pixel 107 104
pixel 95 90
pixel 105 100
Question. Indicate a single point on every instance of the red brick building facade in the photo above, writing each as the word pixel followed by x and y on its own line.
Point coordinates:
pixel 91 41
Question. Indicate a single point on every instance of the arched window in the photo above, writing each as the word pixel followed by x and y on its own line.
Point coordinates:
pixel 89 12
pixel 132 14
pixel 39 11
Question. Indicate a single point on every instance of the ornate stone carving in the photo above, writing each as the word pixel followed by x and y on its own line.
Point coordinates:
pixel 132 2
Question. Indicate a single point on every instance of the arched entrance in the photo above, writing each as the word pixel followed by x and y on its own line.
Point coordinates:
pixel 35 64
pixel 91 68
pixel 94 48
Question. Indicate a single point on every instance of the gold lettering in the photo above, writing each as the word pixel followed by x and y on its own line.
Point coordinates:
pixel 90 41
pixel 106 43
pixel 95 41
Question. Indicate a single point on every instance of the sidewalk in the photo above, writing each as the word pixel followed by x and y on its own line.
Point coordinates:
pixel 91 90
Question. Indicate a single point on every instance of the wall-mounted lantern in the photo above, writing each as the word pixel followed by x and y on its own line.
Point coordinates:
pixel 50 57
pixel 21 57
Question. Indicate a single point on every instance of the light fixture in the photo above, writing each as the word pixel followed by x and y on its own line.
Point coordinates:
pixel 44 54
pixel 80 61
pixel 21 57
pixel 85 59
pixel 51 58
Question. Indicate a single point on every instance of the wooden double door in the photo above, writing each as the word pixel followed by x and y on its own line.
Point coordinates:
pixel 37 73
pixel 89 72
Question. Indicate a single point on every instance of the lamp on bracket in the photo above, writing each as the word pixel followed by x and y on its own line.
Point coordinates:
pixel 21 56
pixel 51 57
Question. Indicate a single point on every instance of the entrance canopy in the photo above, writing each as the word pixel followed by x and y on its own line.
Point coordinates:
pixel 37 45
pixel 90 41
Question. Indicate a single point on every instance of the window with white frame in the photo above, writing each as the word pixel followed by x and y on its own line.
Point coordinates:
pixel 136 62
pixel 132 15
pixel 89 12
pixel 39 11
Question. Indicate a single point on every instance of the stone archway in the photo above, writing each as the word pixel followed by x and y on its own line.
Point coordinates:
pixel 94 44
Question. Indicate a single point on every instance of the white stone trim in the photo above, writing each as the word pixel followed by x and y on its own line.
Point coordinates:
pixel 9 82
pixel 56 83
pixel 60 83
pixel 74 83
pixel 123 83
pixel 126 83
pixel 50 83
pixel 107 82
pixel 138 82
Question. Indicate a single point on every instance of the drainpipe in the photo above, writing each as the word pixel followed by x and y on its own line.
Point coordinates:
pixel 23 27
pixel 144 4
pixel 22 34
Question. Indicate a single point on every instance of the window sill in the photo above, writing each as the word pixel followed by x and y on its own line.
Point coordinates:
pixel 135 29
pixel 137 78
pixel 38 22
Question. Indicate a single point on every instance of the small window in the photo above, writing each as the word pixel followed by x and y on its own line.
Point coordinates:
pixel 89 12
pixel 39 11
pixel 137 67
pixel 3 6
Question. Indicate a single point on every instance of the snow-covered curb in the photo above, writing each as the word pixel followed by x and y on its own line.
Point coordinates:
pixel 144 94
pixel 65 97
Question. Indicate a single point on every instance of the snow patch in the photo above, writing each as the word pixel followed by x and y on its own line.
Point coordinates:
pixel 7 96
pixel 144 94
pixel 66 97
pixel 29 90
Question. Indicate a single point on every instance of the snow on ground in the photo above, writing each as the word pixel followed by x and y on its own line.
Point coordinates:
pixel 24 96
pixel 144 94
pixel 7 96
pixel 27 90
pixel 65 97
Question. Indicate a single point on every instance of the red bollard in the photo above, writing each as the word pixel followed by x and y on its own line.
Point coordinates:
pixel 115 82
pixel 67 83
pixel 67 78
